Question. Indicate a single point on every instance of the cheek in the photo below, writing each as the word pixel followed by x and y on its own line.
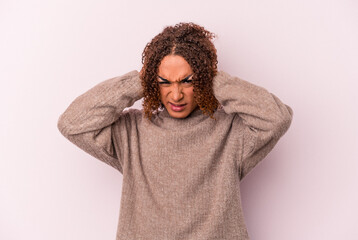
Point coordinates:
pixel 190 93
pixel 162 92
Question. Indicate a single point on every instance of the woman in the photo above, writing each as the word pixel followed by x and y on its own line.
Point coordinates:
pixel 201 131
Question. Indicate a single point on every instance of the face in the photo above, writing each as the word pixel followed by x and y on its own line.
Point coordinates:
pixel 176 88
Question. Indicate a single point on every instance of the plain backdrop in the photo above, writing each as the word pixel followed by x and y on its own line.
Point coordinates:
pixel 303 51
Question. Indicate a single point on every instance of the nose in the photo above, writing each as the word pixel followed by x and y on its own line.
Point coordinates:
pixel 177 93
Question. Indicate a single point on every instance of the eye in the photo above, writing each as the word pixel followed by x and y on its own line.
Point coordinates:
pixel 187 81
pixel 163 82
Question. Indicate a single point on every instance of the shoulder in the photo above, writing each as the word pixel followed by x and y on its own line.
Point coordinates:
pixel 234 119
pixel 129 116
pixel 132 113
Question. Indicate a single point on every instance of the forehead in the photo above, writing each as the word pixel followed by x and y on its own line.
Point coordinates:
pixel 174 67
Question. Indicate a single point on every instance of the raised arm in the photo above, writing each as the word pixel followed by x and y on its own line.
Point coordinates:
pixel 264 116
pixel 89 121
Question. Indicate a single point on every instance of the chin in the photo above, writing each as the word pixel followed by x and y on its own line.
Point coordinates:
pixel 178 114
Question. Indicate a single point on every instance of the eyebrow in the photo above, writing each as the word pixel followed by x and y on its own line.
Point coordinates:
pixel 181 80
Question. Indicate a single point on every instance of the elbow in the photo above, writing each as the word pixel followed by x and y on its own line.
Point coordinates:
pixel 61 126
pixel 284 122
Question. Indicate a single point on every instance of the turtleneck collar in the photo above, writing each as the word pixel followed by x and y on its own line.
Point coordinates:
pixel 166 121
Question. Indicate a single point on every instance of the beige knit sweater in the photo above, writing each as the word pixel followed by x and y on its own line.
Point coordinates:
pixel 180 176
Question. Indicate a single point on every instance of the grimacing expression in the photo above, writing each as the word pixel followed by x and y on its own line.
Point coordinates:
pixel 176 87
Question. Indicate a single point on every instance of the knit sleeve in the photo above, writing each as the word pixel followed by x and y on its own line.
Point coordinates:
pixel 264 116
pixel 91 119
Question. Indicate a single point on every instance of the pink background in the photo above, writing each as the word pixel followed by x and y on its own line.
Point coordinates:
pixel 305 52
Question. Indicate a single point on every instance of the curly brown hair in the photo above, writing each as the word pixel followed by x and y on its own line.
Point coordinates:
pixel 193 43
